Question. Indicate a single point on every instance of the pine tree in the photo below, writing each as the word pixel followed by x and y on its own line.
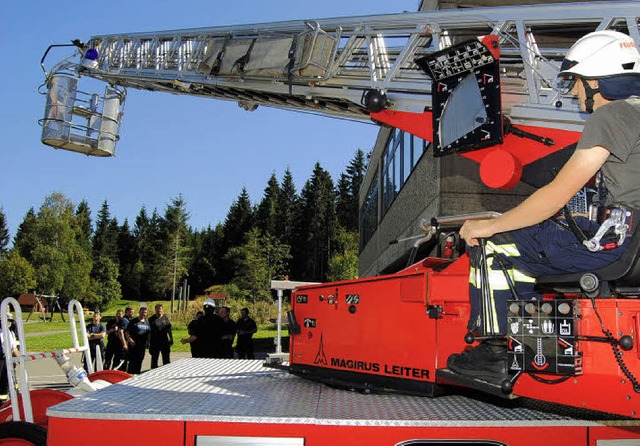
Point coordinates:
pixel 83 222
pixel 26 235
pixel 349 191
pixel 128 259
pixel 4 233
pixel 288 203
pixel 105 238
pixel 266 214
pixel 105 287
pixel 316 228
pixel 206 245
pixel 142 233
pixel 343 201
pixel 150 248
pixel 173 261
pixel 238 222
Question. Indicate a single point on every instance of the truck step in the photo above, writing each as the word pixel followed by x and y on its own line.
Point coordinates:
pixel 447 377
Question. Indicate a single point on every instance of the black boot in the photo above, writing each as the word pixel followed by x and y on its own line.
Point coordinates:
pixel 486 361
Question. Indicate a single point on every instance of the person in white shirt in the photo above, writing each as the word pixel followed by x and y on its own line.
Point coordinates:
pixel 4 378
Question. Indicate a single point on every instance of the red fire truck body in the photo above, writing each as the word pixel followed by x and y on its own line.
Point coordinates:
pixel 394 332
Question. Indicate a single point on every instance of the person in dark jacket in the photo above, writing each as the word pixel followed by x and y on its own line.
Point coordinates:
pixel 161 338
pixel 191 329
pixel 207 332
pixel 138 332
pixel 96 331
pixel 228 333
pixel 116 343
pixel 246 329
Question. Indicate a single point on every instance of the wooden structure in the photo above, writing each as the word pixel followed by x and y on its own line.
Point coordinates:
pixel 41 303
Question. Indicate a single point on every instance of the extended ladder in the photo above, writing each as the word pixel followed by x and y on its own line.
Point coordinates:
pixel 331 66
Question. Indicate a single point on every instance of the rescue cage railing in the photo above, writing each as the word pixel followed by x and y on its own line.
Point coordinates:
pixel 76 120
pixel 22 382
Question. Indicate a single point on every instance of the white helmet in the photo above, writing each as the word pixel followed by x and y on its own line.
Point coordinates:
pixel 602 54
pixel 209 303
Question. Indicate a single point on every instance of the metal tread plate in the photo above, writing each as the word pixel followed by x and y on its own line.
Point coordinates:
pixel 246 391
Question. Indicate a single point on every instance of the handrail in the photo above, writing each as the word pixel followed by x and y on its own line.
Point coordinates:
pixel 9 360
pixel 83 331
pixel 24 356
pixel 428 224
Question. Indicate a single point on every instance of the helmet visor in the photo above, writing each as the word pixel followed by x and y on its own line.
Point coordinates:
pixel 567 80
pixel 566 65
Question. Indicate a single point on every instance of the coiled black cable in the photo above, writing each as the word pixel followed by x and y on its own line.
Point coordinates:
pixel 613 342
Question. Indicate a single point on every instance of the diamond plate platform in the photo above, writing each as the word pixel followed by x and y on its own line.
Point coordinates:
pixel 246 391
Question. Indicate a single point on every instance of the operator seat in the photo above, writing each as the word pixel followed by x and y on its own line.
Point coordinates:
pixel 622 277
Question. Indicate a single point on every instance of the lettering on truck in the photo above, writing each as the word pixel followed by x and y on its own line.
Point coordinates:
pixel 386 369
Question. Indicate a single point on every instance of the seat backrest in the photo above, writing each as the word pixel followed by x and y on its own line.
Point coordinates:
pixel 624 272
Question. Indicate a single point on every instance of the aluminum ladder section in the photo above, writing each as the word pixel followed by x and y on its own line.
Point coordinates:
pixel 326 65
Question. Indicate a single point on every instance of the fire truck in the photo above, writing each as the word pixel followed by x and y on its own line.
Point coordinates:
pixel 367 357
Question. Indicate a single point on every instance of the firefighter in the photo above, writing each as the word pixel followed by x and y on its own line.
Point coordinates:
pixel 603 70
pixel 161 337
pixel 138 332
pixel 207 332
pixel 246 329
pixel 228 334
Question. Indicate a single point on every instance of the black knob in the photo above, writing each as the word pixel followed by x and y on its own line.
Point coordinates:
pixel 469 338
pixel 374 100
pixel 506 386
pixel 626 343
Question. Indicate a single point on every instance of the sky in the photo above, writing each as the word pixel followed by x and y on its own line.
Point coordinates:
pixel 205 149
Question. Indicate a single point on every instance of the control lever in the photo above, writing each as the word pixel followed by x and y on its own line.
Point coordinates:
pixel 508 127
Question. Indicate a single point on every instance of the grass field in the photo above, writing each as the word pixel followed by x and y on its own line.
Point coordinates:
pixel 44 336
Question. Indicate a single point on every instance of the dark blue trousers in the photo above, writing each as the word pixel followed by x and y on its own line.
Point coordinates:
pixel 543 249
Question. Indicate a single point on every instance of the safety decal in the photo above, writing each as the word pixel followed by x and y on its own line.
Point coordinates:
pixel 542 337
pixel 353 299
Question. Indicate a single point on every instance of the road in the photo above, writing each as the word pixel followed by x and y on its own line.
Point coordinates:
pixel 46 373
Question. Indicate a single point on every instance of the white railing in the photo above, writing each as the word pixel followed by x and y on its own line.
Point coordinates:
pixel 23 356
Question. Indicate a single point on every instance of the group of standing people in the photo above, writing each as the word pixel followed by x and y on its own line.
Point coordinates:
pixel 129 337
pixel 211 335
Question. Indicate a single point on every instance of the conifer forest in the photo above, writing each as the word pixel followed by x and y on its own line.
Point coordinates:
pixel 69 250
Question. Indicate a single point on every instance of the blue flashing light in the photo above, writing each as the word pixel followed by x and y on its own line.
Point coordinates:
pixel 91 54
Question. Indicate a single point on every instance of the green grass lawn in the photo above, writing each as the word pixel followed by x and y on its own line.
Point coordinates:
pixel 48 336
pixel 49 341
